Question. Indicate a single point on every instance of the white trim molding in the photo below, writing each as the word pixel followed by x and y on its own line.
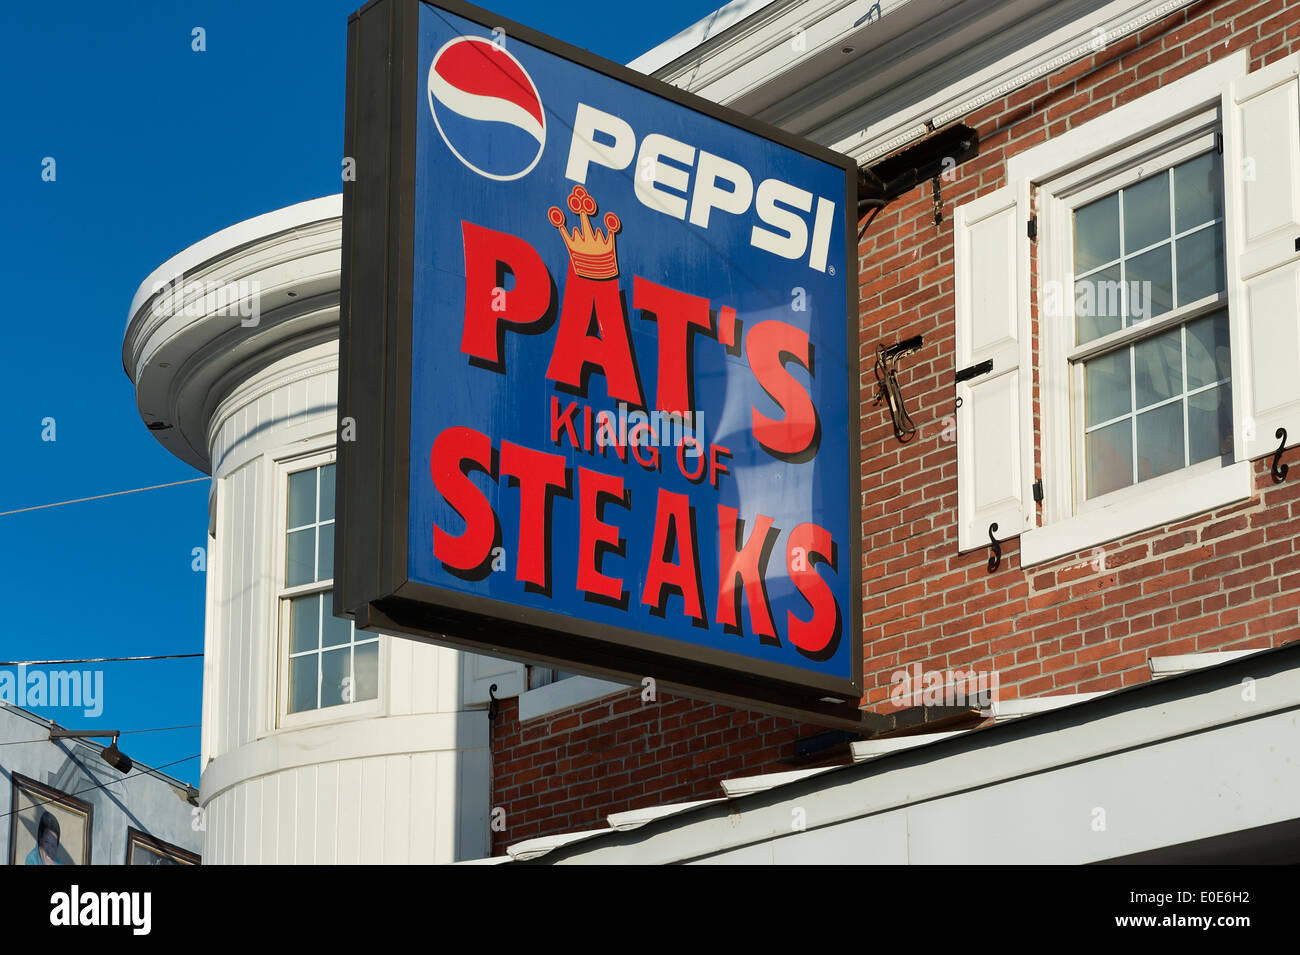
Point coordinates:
pixel 1134 140
pixel 563 694
pixel 1140 512
pixel 1103 136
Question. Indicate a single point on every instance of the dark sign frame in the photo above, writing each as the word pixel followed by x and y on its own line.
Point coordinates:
pixel 371 584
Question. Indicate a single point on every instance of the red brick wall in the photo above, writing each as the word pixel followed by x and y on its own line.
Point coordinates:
pixel 567 771
pixel 1225 580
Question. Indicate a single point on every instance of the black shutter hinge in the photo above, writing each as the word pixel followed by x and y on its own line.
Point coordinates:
pixel 1033 228
pixel 974 371
pixel 1038 491
pixel 1218 141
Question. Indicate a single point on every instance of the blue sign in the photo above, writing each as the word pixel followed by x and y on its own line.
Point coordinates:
pixel 631 364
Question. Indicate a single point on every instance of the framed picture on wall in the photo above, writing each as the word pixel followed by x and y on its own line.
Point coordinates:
pixel 144 849
pixel 48 827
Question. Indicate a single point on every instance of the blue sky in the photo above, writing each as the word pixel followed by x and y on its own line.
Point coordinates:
pixel 156 146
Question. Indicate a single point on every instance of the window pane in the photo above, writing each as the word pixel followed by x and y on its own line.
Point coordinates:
pixel 1098 304
pixel 327 493
pixel 337 630
pixel 1106 392
pixel 1146 213
pixel 325 552
pixel 1198 192
pixel 300 557
pixel 1096 234
pixel 302 498
pixel 1209 423
pixel 1110 457
pixel 1150 286
pixel 1200 264
pixel 365 663
pixel 302 683
pixel 1208 354
pixel 304 623
pixel 334 670
pixel 1158 368
pixel 1160 441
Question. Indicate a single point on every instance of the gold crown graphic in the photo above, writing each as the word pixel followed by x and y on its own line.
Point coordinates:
pixel 591 251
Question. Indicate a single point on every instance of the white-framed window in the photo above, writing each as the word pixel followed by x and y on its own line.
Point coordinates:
pixel 1148 366
pixel 1166 237
pixel 327 669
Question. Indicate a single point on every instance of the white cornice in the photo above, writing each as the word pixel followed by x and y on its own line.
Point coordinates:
pixel 784 37
pixel 912 62
pixel 726 23
pixel 233 238
pixel 1015 68
pixel 185 352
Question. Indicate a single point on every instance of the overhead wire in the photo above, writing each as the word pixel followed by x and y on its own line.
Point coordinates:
pixel 50 663
pixel 79 792
pixel 152 729
pixel 100 497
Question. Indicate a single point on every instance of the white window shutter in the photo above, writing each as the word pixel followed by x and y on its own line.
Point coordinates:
pixel 991 263
pixel 1261 125
pixel 480 672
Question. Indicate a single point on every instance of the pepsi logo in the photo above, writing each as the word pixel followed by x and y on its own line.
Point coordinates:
pixel 487 108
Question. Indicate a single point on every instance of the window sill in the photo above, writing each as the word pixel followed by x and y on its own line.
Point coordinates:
pixel 323 716
pixel 1137 513
pixel 563 694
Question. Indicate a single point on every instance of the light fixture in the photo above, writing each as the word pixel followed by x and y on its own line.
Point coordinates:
pixel 110 753
pixel 930 159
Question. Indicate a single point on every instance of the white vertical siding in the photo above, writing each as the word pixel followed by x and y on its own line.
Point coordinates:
pixel 327 815
pixel 393 809
pixel 349 796
pixel 327 801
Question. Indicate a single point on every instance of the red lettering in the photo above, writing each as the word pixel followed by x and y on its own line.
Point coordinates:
pixel 607 436
pixel 538 474
pixel 819 636
pixel 487 304
pixel 611 351
pixel 642 437
pixel 674 530
pixel 748 563
pixel 594 535
pixel 768 346
pixel 452 449
pixel 563 421
pixel 717 466
pixel 697 451
pixel 676 314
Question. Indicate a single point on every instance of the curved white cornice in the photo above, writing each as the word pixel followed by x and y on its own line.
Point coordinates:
pixel 229 305
pixel 338 741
